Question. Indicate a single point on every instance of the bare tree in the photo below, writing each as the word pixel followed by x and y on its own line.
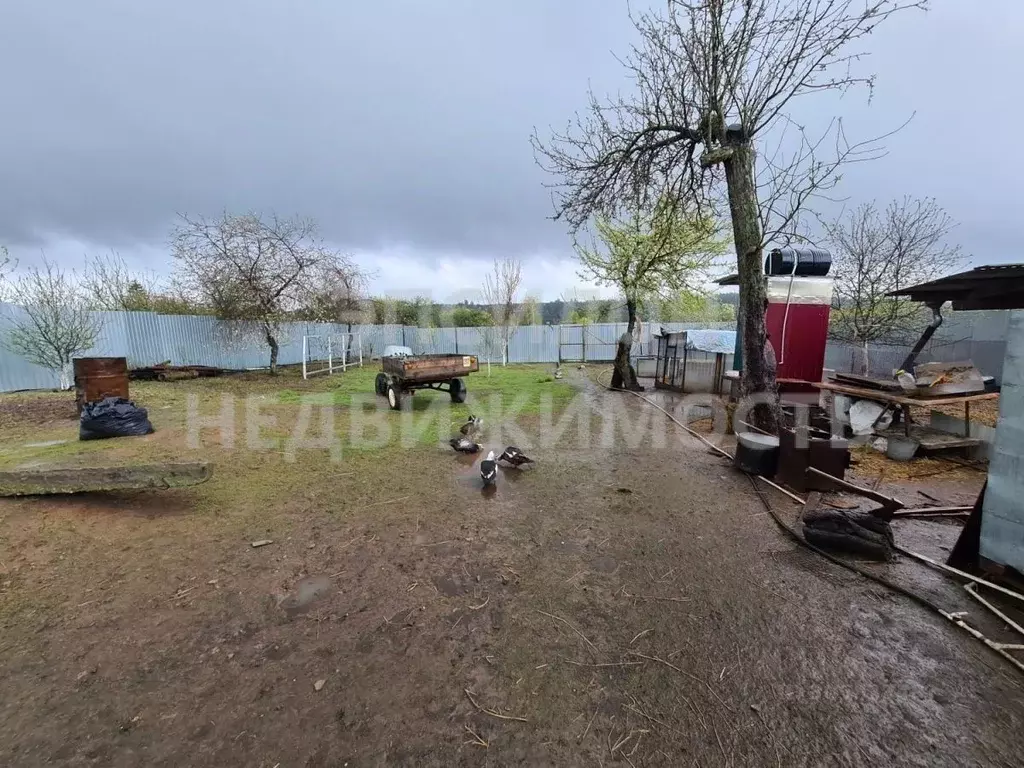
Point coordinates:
pixel 6 265
pixel 877 252
pixel 55 323
pixel 5 261
pixel 110 284
pixel 254 272
pixel 713 82
pixel 501 291
pixel 342 298
pixel 490 339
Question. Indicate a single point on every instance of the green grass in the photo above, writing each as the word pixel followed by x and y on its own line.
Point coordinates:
pixel 428 417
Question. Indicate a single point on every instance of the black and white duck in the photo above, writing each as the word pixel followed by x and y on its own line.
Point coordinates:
pixel 489 469
pixel 515 457
pixel 464 445
pixel 472 427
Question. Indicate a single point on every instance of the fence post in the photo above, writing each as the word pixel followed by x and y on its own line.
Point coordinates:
pixel 456 339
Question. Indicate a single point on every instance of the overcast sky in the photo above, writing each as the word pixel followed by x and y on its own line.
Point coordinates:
pixel 403 125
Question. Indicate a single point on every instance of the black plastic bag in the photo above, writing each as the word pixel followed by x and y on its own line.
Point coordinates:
pixel 113 417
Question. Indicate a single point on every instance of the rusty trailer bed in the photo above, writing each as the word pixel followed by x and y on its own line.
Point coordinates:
pixel 403 375
pixel 426 369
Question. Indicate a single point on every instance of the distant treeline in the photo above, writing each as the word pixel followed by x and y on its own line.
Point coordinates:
pixel 425 313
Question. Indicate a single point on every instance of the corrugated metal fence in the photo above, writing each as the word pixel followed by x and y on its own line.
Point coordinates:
pixel 976 336
pixel 146 339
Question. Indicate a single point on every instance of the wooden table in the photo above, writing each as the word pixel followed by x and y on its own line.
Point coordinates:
pixel 905 401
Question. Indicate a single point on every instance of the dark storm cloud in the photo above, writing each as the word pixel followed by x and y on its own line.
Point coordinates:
pixel 406 121
pixel 387 121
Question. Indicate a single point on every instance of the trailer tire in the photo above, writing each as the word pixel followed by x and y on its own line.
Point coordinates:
pixel 394 397
pixel 457 390
pixel 380 384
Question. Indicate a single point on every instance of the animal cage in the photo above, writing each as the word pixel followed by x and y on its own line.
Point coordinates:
pixel 693 361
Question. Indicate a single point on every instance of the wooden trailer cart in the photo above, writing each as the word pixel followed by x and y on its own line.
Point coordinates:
pixel 404 373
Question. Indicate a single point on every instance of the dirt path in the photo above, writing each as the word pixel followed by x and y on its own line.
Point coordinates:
pixel 634 606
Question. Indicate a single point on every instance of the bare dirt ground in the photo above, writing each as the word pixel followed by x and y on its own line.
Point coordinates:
pixel 624 606
pixel 33 409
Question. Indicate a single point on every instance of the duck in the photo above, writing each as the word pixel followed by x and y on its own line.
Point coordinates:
pixel 472 427
pixel 464 445
pixel 515 457
pixel 489 469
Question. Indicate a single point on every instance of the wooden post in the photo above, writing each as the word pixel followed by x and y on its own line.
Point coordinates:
pixel 889 502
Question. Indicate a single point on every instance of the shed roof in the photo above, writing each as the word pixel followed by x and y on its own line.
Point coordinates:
pixel 997 286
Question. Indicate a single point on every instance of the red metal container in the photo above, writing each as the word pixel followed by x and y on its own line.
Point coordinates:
pixel 99 377
pixel 797 324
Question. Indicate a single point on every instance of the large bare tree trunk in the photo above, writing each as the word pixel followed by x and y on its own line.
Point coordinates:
pixel 272 343
pixel 865 360
pixel 623 374
pixel 758 377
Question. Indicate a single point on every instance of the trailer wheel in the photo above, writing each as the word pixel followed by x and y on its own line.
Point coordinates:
pixel 457 390
pixel 394 398
pixel 380 384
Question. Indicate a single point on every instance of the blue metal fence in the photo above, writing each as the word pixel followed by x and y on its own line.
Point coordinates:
pixel 146 339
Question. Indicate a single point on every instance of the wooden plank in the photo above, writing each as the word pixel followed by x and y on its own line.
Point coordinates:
pixel 430 368
pixel 812 504
pixel 888 501
pixel 936 511
pixel 854 380
pixel 888 397
pixel 65 480
pixel 969 577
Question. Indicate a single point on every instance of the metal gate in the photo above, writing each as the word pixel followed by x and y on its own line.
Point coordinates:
pixel 572 343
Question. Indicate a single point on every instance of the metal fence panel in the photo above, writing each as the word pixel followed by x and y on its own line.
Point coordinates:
pixel 16 373
pixel 533 344
pixel 883 359
pixel 147 339
pixel 1002 525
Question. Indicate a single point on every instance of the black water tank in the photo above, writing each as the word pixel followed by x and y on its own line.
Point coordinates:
pixel 757 454
pixel 799 260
